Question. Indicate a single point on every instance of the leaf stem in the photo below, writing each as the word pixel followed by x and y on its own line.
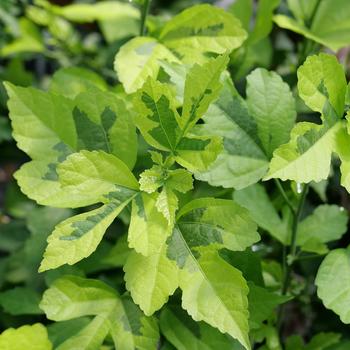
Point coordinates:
pixel 292 250
pixel 144 13
pixel 284 195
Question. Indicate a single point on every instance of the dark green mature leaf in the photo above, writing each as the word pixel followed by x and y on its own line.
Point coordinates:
pixel 20 301
pixel 262 304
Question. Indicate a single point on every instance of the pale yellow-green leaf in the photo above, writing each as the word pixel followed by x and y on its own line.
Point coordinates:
pixel 202 28
pixel 32 180
pixel 322 78
pixel 167 204
pixel 151 280
pixel 27 337
pixel 195 158
pixel 202 86
pixel 95 172
pixel 290 163
pixel 72 297
pixel 139 59
pixel 222 303
pixel 77 237
pixel 148 228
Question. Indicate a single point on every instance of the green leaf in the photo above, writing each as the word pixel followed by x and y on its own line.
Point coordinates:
pixel 262 304
pixel 248 262
pixel 157 116
pixel 255 199
pixel 91 337
pixel 29 40
pixel 34 179
pixel 158 176
pixel 20 301
pixel 263 21
pixel 323 341
pixel 220 222
pixel 243 10
pixel 216 223
pixel 185 334
pixel 72 297
pixel 148 228
pixel 26 337
pixel 206 296
pixel 167 201
pixel 327 223
pixel 151 279
pixel 202 28
pixel 5 130
pixel 61 331
pixel 127 18
pixel 153 178
pixel 77 237
pixel 271 103
pixel 104 122
pixel 333 283
pixel 329 26
pixel 322 78
pixel 343 152
pixel 132 329
pixel 197 153
pixel 167 204
pixel 71 81
pixel 202 86
pixel 34 115
pixel 242 161
pixel 103 10
pixel 320 341
pixel 138 60
pixel 100 174
pixel 307 156
pixel 180 180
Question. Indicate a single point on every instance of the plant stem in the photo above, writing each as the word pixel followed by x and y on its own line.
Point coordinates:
pixel 296 218
pixel 144 13
pixel 292 250
pixel 284 195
